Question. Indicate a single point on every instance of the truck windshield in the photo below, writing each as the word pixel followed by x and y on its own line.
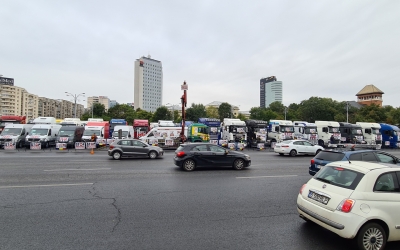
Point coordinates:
pixel 40 131
pixel 203 130
pixel 66 133
pixel 394 133
pixel 89 132
pixel 142 129
pixel 237 129
pixel 11 131
pixel 333 130
pixel 124 133
pixel 310 130
pixel 376 131
pixel 356 131
pixel 287 129
pixel 260 130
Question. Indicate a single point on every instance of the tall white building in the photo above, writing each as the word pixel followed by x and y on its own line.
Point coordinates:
pixel 148 84
pixel 270 91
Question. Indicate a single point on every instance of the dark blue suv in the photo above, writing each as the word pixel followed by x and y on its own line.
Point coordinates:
pixel 327 156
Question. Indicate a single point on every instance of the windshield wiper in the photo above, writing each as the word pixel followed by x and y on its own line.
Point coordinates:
pixel 323 180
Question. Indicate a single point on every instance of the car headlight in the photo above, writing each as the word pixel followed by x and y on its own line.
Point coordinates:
pixel 247 157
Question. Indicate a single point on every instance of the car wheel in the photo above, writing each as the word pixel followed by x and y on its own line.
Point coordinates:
pixel 189 165
pixel 238 164
pixel 293 152
pixel 280 153
pixel 371 236
pixel 116 155
pixel 153 154
pixel 319 150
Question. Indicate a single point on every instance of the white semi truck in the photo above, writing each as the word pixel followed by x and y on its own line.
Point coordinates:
pixel 306 131
pixel 234 130
pixel 280 130
pixel 372 133
pixel 327 129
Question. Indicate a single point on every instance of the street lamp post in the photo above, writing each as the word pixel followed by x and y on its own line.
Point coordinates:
pixel 285 111
pixel 173 109
pixel 75 96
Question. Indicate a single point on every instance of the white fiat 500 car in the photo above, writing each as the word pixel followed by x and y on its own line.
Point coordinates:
pixel 356 200
pixel 297 147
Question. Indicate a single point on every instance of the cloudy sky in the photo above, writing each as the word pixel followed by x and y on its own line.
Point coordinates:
pixel 328 48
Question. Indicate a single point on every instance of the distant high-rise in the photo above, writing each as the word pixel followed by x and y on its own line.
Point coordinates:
pixel 270 91
pixel 148 84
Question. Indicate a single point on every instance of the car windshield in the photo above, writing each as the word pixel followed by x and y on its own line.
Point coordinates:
pixel 339 176
pixel 124 133
pixel 89 132
pixel 329 156
pixel 376 131
pixel 287 129
pixel 42 131
pixel 356 131
pixel 310 130
pixel 62 133
pixel 11 131
pixel 333 130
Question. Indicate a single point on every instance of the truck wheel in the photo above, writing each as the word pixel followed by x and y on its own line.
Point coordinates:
pixel 116 155
pixel 371 236
pixel 189 165
pixel 238 164
pixel 293 153
pixel 153 154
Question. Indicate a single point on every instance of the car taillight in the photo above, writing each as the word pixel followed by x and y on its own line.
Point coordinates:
pixel 111 147
pixel 312 161
pixel 180 154
pixel 302 188
pixel 285 146
pixel 346 205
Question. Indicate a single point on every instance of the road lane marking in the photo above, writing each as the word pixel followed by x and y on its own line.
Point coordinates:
pixel 267 176
pixel 50 185
pixel 76 169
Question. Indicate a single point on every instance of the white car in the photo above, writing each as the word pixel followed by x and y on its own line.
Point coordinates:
pixel 297 147
pixel 355 200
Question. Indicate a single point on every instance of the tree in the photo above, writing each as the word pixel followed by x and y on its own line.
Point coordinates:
pixel 143 114
pixel 161 113
pixel 122 111
pixel 225 111
pixel 195 112
pixel 97 111
pixel 317 108
pixel 212 112
pixel 371 113
pixel 277 107
pixel 242 117
pixel 177 117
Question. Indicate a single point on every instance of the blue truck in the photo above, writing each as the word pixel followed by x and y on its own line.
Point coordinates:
pixel 214 127
pixel 116 122
pixel 390 135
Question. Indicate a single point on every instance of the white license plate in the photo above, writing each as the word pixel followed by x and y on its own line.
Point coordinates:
pixel 317 197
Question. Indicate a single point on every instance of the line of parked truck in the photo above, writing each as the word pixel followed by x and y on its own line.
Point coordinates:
pixel 166 134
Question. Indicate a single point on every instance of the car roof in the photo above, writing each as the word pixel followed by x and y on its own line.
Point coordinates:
pixel 361 166
pixel 348 152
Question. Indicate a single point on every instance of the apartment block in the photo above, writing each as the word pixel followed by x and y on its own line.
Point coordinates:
pixel 98 99
pixel 17 101
pixel 59 109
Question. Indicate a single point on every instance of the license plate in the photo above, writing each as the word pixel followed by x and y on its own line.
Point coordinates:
pixel 317 166
pixel 277 146
pixel 317 197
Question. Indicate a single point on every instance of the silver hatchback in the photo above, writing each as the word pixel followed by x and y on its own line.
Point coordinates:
pixel 133 148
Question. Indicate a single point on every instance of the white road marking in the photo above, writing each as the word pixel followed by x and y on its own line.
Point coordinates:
pixel 267 176
pixel 50 185
pixel 76 169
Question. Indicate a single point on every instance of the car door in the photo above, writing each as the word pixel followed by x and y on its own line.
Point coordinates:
pixel 385 158
pixel 201 155
pixel 219 157
pixel 368 156
pixel 309 148
pixel 386 198
pixel 126 147
pixel 298 146
pixel 139 148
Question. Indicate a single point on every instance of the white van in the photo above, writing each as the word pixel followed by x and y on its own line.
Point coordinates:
pixel 167 137
pixel 71 122
pixel 45 120
pixel 127 131
pixel 46 134
pixel 15 133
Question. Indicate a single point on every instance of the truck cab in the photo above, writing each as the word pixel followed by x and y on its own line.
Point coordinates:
pixel 306 131
pixel 113 123
pixel 127 132
pixel 214 126
pixel 11 119
pixel 70 134
pixel 15 133
pixel 140 127
pixel 198 132
pixel 372 133
pixel 326 130
pixel 280 130
pixel 257 132
pixel 351 133
pixel 101 129
pixel 234 130
pixel 45 134
pixel 390 135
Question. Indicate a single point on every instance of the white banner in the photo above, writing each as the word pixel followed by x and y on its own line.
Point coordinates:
pixel 9 146
pixel 169 142
pixel 231 145
pixel 223 142
pixel 110 141
pixel 79 145
pixel 101 141
pixel 63 139
pixel 260 145
pixel 214 142
pixel 36 145
pixel 61 145
pixel 90 145
pixel 387 143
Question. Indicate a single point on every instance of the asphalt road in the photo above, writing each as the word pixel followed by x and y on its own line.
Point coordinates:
pixel 67 200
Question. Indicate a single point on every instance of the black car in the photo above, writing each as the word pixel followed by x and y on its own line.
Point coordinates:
pixel 192 155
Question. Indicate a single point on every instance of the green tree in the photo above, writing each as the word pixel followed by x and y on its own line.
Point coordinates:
pixel 177 117
pixel 371 113
pixel 242 117
pixel 143 114
pixel 317 108
pixel 122 111
pixel 195 112
pixel 277 107
pixel 212 112
pixel 161 113
pixel 225 111
pixel 97 111
pixel 264 114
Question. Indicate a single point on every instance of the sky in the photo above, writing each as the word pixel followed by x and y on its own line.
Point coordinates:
pixel 222 49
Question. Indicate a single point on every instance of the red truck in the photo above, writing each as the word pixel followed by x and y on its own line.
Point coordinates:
pixel 11 119
pixel 141 127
